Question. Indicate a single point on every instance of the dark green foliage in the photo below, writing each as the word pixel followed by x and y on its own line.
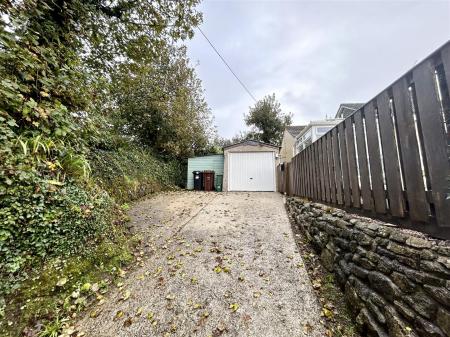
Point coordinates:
pixel 40 220
pixel 162 105
pixel 64 160
pixel 130 172
pixel 267 120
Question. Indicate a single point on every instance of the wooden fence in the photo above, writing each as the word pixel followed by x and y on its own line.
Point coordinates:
pixel 391 157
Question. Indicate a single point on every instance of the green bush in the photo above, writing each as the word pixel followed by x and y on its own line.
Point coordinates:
pixel 39 219
pixel 131 172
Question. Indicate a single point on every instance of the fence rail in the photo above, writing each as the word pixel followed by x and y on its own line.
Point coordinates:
pixel 391 157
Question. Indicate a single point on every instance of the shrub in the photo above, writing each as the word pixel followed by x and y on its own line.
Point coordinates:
pixel 39 219
pixel 131 172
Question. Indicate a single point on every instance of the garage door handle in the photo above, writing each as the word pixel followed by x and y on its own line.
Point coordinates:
pixel 251 178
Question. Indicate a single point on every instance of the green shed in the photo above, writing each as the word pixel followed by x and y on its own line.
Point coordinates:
pixel 212 162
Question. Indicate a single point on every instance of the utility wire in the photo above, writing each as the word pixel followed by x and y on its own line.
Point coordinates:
pixel 228 66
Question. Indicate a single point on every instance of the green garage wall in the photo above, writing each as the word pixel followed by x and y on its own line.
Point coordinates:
pixel 211 162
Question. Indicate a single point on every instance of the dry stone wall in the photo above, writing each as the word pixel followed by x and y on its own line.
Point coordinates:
pixel 396 282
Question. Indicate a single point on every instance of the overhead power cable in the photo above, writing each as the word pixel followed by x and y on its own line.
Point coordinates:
pixel 228 66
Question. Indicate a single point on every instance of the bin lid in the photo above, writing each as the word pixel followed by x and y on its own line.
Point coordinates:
pixel 196 172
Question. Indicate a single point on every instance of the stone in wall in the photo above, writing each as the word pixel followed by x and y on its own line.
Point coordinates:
pixel 396 281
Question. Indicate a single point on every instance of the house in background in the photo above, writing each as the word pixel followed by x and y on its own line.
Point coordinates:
pixel 316 129
pixel 313 131
pixel 287 144
pixel 346 109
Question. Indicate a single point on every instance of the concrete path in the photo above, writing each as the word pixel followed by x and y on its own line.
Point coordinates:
pixel 214 264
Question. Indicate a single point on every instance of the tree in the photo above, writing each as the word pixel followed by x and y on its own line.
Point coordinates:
pixel 267 120
pixel 161 104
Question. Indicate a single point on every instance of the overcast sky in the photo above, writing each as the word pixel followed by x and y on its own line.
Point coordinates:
pixel 313 55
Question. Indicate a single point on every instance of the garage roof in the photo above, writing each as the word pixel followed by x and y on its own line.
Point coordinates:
pixel 251 143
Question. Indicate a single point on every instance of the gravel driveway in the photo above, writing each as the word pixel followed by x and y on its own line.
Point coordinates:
pixel 214 264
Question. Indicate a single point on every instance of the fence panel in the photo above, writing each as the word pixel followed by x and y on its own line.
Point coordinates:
pixel 409 149
pixel 391 158
pixel 337 167
pixel 434 137
pixel 390 155
pixel 317 177
pixel 321 170
pixel 344 166
pixel 376 170
pixel 330 173
pixel 362 161
pixel 353 165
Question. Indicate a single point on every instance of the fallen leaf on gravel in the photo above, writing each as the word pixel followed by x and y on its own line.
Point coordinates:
pixel 139 311
pixel 170 297
pixel 205 314
pixel 241 278
pixel 197 306
pixel 194 280
pixel 234 307
pixel 226 270
pixel 119 284
pixel 256 294
pixel 125 295
pixel 216 250
pixel 150 316
pixel 327 313
pixel 128 322
pixel 94 313
pixel 218 269
pixel 119 314
pixel 158 271
pixel 307 327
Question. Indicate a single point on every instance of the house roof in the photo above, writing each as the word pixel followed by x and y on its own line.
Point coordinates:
pixel 346 109
pixel 294 130
pixel 251 143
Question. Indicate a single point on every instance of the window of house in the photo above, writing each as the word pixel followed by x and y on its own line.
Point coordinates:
pixel 323 130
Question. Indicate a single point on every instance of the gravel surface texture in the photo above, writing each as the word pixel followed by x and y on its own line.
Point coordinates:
pixel 211 264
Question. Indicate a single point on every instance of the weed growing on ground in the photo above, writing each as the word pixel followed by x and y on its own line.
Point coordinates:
pixel 335 314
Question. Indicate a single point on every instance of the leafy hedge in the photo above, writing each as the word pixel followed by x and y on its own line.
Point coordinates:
pixel 39 220
pixel 130 172
pixel 41 217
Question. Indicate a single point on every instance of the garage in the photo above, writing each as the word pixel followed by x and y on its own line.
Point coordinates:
pixel 250 166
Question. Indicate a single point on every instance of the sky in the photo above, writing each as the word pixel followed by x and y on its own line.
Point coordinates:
pixel 313 55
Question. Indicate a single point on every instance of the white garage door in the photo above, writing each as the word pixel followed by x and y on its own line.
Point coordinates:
pixel 251 171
